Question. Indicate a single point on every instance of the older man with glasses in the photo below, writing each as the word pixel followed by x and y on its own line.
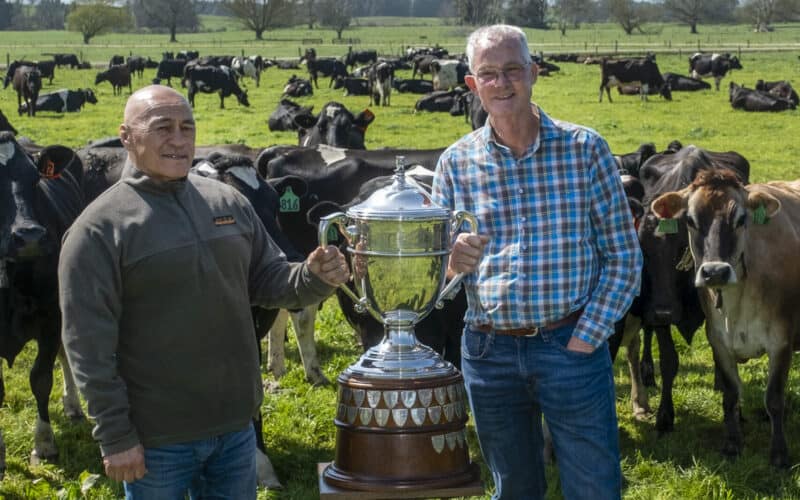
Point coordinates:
pixel 556 264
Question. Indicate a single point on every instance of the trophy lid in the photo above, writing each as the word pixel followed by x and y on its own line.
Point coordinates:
pixel 403 199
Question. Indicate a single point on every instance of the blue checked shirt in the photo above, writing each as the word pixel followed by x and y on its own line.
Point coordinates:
pixel 561 233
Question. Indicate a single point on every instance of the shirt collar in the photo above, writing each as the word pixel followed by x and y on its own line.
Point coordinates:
pixel 547 130
pixel 139 179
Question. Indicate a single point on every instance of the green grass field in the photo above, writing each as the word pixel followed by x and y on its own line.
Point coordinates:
pixel 300 432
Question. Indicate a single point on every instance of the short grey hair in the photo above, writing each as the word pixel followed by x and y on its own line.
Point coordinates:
pixel 489 35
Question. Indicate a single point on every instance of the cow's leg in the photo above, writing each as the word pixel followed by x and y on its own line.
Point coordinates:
pixel 276 361
pixel 731 409
pixel 639 398
pixel 774 400
pixel 41 380
pixel 717 79
pixel 643 90
pixel 304 330
pixel 70 399
pixel 221 100
pixel 665 418
pixel 647 367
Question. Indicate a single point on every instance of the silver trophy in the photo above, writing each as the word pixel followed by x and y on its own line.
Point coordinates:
pixel 402 409
pixel 399 242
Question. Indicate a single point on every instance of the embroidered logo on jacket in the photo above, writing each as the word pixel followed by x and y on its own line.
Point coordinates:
pixel 224 220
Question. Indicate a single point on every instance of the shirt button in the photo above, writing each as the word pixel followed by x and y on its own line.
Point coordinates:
pixel 521 191
pixel 524 247
pixel 522 219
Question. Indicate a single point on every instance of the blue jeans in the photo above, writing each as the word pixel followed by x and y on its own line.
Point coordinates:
pixel 221 467
pixel 512 381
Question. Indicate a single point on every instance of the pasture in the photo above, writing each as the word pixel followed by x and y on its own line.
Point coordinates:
pixel 685 464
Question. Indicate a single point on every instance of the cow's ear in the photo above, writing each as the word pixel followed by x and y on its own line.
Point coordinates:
pixel 298 184
pixel 53 160
pixel 364 118
pixel 758 199
pixel 669 205
pixel 305 121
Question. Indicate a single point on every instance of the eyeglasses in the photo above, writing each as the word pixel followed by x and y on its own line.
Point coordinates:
pixel 513 72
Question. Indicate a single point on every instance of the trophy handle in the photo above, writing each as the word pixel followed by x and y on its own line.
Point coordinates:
pixel 459 216
pixel 340 219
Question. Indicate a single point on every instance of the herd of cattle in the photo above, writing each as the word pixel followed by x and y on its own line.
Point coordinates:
pixel 707 235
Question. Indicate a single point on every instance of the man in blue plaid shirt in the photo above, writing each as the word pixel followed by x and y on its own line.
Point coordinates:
pixel 555 264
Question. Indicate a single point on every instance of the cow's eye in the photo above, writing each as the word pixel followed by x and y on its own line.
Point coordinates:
pixel 690 222
pixel 741 220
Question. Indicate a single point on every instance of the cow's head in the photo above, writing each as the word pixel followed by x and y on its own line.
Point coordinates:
pixel 238 171
pixel 88 94
pixel 734 62
pixel 718 210
pixel 241 96
pixel 666 91
pixel 21 234
pixel 335 126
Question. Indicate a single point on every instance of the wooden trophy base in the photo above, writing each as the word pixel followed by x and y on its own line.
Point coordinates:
pixel 328 492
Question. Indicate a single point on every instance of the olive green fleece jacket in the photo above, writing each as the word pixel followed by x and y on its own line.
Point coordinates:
pixel 156 280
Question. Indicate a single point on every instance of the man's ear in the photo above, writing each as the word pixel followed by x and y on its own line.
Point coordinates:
pixel 534 72
pixel 470 81
pixel 124 135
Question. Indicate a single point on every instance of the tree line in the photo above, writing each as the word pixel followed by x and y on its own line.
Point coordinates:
pixel 95 17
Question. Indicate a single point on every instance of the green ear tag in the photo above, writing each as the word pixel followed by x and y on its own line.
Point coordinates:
pixel 760 215
pixel 289 201
pixel 667 226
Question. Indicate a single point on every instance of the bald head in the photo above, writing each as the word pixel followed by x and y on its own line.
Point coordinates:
pixel 142 102
pixel 159 132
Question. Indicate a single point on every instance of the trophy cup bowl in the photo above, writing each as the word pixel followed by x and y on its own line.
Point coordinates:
pixel 401 409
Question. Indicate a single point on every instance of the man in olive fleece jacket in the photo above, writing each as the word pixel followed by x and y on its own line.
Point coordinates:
pixel 156 280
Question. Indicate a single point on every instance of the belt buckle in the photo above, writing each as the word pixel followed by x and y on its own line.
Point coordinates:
pixel 534 332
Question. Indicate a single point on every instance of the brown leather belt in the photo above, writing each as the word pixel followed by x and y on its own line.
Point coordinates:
pixel 532 331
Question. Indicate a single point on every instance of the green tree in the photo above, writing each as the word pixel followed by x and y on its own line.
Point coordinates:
pixel 478 12
pixel 96 18
pixel 336 15
pixel 762 13
pixel 169 14
pixel 570 13
pixel 261 15
pixel 529 13
pixel 625 12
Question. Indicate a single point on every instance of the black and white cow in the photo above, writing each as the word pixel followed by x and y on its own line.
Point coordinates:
pixel 328 66
pixel 5 125
pixel 335 125
pixel 630 163
pixel 285 116
pixel 414 86
pixel 116 60
pixel 352 86
pixel 297 87
pixel 210 79
pixel 473 110
pixel 713 65
pixel 65 59
pixel 643 72
pixel 40 201
pixel 380 83
pixel 169 69
pixel 684 83
pixel 27 84
pixel 136 64
pixel 359 57
pixel 756 100
pixel 217 61
pixel 12 68
pixel 448 73
pixel 781 88
pixel 441 101
pixel 118 76
pixel 247 66
pixel 422 64
pixel 63 101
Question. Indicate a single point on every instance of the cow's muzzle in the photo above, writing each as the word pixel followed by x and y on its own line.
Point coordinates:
pixel 715 274
pixel 27 241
